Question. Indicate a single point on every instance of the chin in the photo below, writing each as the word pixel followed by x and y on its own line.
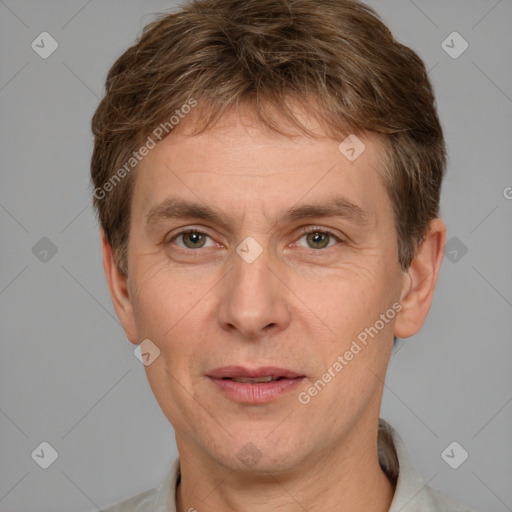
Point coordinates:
pixel 259 454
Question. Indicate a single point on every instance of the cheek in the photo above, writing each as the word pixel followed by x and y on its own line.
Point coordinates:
pixel 163 299
pixel 351 305
pixel 166 310
pixel 174 311
pixel 347 299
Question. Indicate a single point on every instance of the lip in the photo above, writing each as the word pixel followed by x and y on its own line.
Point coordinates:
pixel 263 371
pixel 254 393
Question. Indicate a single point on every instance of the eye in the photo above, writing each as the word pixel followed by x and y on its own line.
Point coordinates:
pixel 318 239
pixel 191 239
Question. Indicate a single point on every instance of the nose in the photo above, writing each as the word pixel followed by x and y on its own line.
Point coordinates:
pixel 253 300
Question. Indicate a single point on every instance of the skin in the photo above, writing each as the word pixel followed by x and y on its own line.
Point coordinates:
pixel 298 306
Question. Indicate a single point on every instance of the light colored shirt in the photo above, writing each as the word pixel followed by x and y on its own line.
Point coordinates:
pixel 412 493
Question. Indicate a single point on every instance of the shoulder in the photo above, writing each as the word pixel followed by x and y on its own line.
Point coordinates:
pixel 412 492
pixel 143 502
pixel 160 498
pixel 438 501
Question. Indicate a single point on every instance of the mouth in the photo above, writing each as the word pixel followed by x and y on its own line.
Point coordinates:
pixel 255 380
pixel 254 386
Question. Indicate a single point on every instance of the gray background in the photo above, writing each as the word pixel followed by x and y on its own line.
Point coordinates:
pixel 69 377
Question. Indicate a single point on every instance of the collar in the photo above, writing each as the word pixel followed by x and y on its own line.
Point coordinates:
pixel 412 493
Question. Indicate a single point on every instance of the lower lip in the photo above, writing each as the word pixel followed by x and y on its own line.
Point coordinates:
pixel 256 393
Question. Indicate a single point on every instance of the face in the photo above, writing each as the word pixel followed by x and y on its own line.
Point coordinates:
pixel 252 255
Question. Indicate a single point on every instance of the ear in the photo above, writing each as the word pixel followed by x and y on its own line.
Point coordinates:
pixel 119 292
pixel 419 287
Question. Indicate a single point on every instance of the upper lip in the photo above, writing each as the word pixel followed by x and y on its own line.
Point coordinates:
pixel 241 371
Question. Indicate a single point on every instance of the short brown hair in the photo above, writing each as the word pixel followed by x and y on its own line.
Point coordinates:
pixel 334 58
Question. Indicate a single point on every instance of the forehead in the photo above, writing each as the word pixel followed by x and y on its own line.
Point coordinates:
pixel 239 166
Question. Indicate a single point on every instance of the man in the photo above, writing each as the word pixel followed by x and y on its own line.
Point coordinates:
pixel 267 177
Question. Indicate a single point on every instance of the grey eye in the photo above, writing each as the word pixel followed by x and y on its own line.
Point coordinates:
pixel 318 239
pixel 192 239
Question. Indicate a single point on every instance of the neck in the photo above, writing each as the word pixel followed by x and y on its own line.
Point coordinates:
pixel 347 478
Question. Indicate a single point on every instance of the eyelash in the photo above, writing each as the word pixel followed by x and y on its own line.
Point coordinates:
pixel 186 231
pixel 318 229
pixel 304 231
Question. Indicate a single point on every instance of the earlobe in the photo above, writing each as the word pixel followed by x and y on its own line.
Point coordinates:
pixel 418 290
pixel 119 292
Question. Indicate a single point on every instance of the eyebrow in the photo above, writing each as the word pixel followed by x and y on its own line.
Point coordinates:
pixel 177 208
pixel 335 207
